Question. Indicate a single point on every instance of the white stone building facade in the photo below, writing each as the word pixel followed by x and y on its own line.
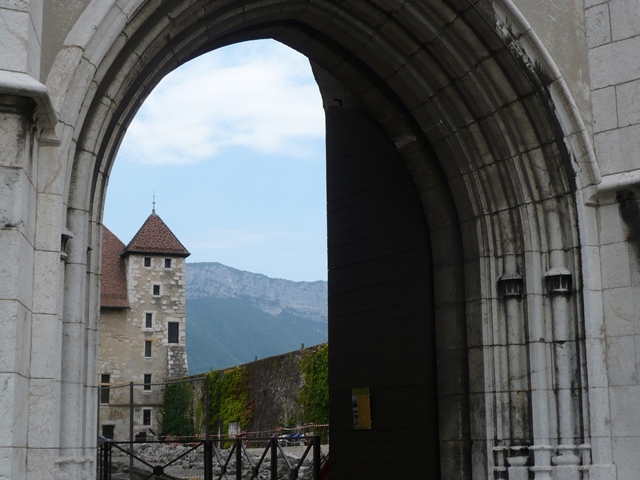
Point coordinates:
pixel 518 123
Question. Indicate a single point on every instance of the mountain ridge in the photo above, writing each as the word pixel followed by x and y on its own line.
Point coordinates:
pixel 234 316
pixel 272 295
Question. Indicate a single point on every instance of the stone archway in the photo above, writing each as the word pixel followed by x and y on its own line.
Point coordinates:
pixel 462 98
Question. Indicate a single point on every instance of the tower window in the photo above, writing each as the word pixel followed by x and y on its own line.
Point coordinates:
pixel 108 431
pixel 156 290
pixel 148 320
pixel 105 380
pixel 147 348
pixel 147 381
pixel 147 261
pixel 167 263
pixel 174 332
pixel 146 416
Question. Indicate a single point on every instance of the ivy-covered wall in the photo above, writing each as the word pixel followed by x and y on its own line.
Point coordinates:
pixel 287 390
pixel 276 384
pixel 313 398
pixel 229 399
pixel 177 410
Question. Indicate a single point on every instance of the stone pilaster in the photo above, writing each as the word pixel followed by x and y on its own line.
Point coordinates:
pixel 17 225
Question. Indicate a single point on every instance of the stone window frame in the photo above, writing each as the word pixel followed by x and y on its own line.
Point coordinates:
pixel 148 320
pixel 159 289
pixel 147 382
pixel 148 352
pixel 109 425
pixel 168 263
pixel 105 390
pixel 170 335
pixel 147 262
pixel 146 417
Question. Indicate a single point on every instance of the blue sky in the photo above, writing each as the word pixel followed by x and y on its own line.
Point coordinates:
pixel 232 144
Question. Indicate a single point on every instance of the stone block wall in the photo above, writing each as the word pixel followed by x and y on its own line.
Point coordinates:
pixel 176 361
pixel 124 332
pixel 613 38
pixel 274 385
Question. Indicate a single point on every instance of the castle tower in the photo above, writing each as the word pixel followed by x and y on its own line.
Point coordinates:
pixel 142 323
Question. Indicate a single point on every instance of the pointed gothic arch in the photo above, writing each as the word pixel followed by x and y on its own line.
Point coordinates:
pixel 493 156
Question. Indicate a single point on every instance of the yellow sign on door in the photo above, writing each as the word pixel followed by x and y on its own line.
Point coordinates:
pixel 360 400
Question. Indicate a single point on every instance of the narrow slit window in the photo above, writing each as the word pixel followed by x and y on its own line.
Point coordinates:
pixel 174 332
pixel 147 381
pixel 146 416
pixel 105 380
pixel 148 320
pixel 147 348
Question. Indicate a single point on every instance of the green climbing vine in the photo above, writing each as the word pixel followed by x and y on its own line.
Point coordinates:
pixel 229 398
pixel 314 394
pixel 177 410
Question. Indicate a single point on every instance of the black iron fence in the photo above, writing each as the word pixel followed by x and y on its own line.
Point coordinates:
pixel 228 459
pixel 135 441
pixel 135 410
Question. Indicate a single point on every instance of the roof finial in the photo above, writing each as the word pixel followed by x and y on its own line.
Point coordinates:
pixel 153 210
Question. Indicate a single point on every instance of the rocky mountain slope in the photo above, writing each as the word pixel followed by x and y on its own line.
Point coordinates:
pixel 234 316
pixel 271 295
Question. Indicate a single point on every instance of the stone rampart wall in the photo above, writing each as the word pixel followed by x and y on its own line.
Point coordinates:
pixel 274 383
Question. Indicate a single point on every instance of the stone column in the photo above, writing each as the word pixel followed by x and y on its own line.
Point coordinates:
pixel 17 237
pixel 46 338
pixel 79 342
pixel 511 289
pixel 30 241
pixel 30 246
pixel 542 415
pixel 567 460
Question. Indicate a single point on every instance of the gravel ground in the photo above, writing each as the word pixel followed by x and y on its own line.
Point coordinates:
pixel 160 454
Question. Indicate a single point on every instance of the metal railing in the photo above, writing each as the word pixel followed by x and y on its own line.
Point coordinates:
pixel 197 454
pixel 218 463
pixel 123 406
pixel 126 403
pixel 274 447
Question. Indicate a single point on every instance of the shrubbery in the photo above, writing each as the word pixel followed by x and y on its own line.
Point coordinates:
pixel 314 395
pixel 229 398
pixel 177 410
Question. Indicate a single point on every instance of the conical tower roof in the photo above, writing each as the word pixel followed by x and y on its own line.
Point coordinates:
pixel 154 237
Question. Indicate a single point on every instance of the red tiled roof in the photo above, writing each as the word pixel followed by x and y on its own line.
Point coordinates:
pixel 154 237
pixel 114 276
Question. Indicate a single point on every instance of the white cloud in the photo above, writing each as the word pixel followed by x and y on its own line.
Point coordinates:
pixel 258 95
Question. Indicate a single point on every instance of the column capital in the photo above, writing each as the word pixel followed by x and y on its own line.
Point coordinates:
pixel 44 116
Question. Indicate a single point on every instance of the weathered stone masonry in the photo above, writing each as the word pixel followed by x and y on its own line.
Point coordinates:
pixel 142 324
pixel 482 178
